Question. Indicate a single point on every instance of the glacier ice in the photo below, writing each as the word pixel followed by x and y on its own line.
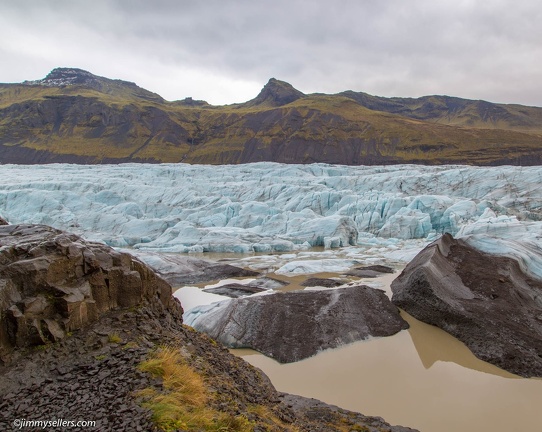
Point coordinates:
pixel 316 266
pixel 270 207
pixel 506 235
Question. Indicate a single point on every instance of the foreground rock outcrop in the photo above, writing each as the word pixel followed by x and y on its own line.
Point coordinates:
pixel 486 301
pixel 77 318
pixel 53 283
pixel 88 376
pixel 291 326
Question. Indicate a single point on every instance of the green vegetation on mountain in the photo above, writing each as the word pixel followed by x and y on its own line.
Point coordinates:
pixel 74 116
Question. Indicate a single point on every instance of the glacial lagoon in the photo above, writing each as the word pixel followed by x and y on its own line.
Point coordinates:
pixel 421 377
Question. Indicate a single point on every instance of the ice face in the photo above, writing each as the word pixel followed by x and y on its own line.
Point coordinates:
pixel 270 207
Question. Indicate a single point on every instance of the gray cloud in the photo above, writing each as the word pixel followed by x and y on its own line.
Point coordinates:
pixel 224 51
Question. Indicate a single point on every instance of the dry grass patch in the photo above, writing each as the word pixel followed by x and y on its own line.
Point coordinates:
pixel 114 338
pixel 182 404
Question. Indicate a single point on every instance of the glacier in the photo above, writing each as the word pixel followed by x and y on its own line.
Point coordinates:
pixel 279 208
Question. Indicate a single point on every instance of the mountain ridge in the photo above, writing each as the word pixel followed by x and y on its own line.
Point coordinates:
pixel 434 107
pixel 74 116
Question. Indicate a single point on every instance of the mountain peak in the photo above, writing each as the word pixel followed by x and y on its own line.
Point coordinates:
pixel 276 93
pixel 65 77
pixel 69 74
pixel 60 77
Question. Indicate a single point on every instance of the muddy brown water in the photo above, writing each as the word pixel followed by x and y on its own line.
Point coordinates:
pixel 421 377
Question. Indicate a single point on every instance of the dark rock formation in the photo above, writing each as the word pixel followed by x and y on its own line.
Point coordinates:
pixel 323 282
pixel 486 301
pixel 363 273
pixel 3 221
pixel 371 271
pixel 378 268
pixel 291 326
pixel 52 283
pixel 214 272
pixel 235 290
pixel 180 270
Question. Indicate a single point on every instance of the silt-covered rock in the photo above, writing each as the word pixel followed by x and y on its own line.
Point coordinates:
pixel 484 300
pixel 291 326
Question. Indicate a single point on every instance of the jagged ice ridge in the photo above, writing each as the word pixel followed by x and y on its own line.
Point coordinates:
pixel 270 207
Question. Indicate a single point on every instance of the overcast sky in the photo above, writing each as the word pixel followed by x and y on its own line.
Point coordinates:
pixel 225 51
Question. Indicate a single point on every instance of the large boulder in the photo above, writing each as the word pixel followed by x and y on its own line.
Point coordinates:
pixel 291 326
pixel 53 282
pixel 486 301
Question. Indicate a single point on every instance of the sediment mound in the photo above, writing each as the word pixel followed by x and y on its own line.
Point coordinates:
pixel 291 326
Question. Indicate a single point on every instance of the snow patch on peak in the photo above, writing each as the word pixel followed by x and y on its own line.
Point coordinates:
pixel 62 77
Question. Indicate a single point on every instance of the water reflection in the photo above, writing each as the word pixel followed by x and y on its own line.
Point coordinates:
pixel 433 345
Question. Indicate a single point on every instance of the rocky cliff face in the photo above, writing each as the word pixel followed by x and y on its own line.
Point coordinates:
pixel 53 283
pixel 75 116
pixel 486 301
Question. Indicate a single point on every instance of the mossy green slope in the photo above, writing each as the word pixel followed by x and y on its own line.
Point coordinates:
pixel 95 120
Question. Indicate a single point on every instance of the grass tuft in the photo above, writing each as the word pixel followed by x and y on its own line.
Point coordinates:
pixel 114 338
